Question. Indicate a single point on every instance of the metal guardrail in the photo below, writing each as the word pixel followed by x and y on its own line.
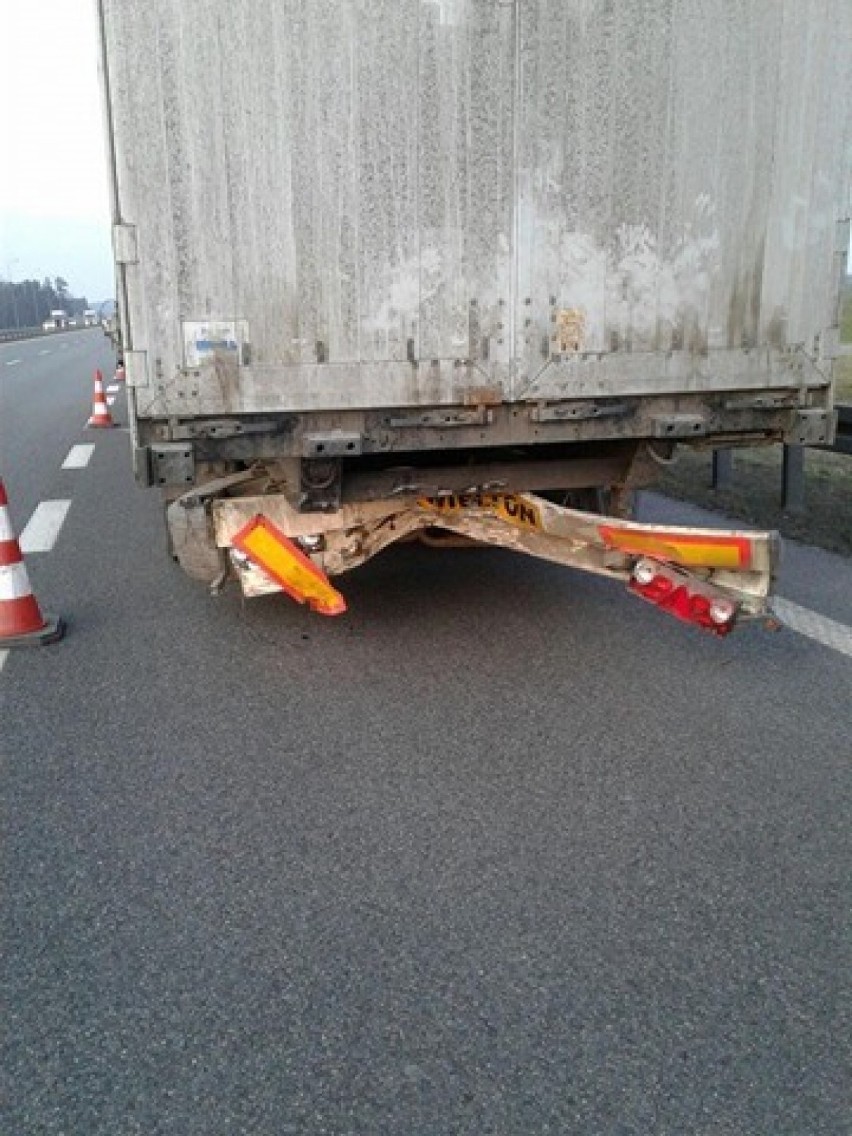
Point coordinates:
pixel 843 441
pixel 793 466
pixel 11 334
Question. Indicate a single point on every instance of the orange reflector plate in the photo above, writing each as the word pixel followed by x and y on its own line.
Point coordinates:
pixel 285 563
pixel 691 551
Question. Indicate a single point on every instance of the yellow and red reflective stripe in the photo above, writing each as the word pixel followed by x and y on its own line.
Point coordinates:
pixel 692 551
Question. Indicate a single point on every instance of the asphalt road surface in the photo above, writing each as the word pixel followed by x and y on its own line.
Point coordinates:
pixel 502 850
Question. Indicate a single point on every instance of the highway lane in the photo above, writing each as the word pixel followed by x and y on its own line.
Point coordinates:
pixel 45 398
pixel 501 850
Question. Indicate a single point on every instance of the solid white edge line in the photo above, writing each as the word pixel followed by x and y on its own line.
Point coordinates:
pixel 43 527
pixel 828 632
pixel 79 456
pixel 4 655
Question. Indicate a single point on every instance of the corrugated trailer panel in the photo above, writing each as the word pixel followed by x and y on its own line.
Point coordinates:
pixel 683 167
pixel 360 203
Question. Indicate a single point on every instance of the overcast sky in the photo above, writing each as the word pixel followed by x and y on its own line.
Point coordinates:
pixel 54 207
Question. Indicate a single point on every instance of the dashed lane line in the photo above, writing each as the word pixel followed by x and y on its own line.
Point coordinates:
pixel 46 351
pixel 4 655
pixel 828 632
pixel 112 388
pixel 43 527
pixel 79 456
pixel 12 362
pixel 110 399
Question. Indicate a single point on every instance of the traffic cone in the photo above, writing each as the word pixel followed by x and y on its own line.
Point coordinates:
pixel 100 411
pixel 21 621
pixel 119 373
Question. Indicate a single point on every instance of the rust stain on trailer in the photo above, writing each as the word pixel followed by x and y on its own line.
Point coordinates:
pixel 483 396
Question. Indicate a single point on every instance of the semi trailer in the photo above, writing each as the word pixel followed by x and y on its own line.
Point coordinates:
pixel 470 270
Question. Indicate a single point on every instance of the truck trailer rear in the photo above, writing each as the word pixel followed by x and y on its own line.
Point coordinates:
pixel 392 267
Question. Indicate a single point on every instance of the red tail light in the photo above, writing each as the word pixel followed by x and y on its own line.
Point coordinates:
pixel 684 597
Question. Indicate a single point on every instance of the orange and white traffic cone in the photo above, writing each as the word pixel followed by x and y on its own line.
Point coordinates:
pixel 120 376
pixel 21 621
pixel 100 411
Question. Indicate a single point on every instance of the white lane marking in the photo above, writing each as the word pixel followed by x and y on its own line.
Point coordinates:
pixel 112 388
pixel 43 526
pixel 12 362
pixel 110 400
pixel 46 351
pixel 78 457
pixel 829 632
pixel 4 655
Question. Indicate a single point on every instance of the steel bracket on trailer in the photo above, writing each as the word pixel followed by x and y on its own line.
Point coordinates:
pixel 171 463
pixel 441 419
pixel 678 425
pixel 812 428
pixel 221 428
pixel 332 444
pixel 578 411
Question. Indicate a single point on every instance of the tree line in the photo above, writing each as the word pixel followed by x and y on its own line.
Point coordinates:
pixel 28 303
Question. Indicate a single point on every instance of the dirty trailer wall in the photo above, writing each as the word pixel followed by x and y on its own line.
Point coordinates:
pixel 335 190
